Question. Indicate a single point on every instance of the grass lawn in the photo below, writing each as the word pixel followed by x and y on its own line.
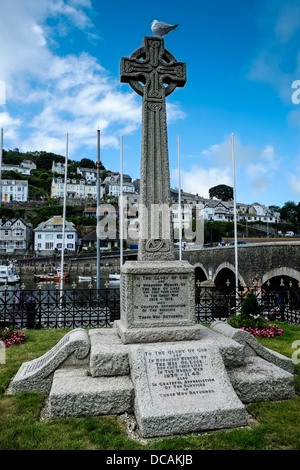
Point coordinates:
pixel 276 425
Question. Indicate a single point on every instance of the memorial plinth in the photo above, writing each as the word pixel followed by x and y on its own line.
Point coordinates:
pixel 157 302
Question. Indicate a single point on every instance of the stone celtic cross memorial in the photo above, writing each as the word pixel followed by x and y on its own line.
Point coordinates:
pixel 175 376
pixel 154 73
pixel 157 292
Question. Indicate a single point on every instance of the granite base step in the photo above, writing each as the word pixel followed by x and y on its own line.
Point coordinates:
pixel 75 393
pixel 258 380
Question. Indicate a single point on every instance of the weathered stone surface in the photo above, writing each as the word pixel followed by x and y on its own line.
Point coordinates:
pixel 154 73
pixel 181 388
pixel 259 380
pixel 157 294
pixel 156 298
pixel 76 394
pixel 153 335
pixel 252 346
pixel 109 356
pixel 232 352
pixel 37 374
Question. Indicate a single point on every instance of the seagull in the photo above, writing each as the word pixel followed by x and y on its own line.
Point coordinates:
pixel 160 28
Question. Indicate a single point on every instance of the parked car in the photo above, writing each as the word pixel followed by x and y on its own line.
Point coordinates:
pixel 239 242
pixel 289 234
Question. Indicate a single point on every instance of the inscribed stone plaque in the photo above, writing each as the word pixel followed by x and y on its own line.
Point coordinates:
pixel 156 294
pixel 183 387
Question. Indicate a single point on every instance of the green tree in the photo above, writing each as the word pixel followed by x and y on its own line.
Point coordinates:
pixel 87 163
pixel 221 191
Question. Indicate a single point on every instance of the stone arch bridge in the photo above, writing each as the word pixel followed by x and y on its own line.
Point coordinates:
pixel 270 262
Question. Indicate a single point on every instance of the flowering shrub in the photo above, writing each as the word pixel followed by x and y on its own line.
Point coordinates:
pixel 10 337
pixel 248 318
pixel 269 331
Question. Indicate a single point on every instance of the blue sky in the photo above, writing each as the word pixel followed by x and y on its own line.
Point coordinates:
pixel 59 74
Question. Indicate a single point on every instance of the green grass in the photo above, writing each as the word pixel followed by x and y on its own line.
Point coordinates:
pixel 275 427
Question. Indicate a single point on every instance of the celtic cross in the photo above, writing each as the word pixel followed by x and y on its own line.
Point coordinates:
pixel 154 74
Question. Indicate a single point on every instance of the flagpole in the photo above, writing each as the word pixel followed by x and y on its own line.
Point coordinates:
pixel 179 201
pixel 235 216
pixel 64 215
pixel 98 213
pixel 1 156
pixel 121 202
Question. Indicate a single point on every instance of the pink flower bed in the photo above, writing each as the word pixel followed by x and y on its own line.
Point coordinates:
pixel 16 337
pixel 270 331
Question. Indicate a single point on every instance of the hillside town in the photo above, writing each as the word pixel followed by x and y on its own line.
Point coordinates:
pixel 19 235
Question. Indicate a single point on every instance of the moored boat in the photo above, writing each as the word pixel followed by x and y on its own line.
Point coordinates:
pixel 8 274
pixel 49 277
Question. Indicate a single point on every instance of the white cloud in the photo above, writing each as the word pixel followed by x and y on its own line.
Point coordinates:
pixel 199 180
pixel 60 94
pixel 10 124
pixel 255 169
pixel 277 59
pixel 295 184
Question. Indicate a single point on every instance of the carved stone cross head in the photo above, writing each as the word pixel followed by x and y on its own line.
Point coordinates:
pixel 152 71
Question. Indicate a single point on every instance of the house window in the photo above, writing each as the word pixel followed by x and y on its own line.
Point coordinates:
pixel 59 235
pixel 59 246
pixel 70 236
pixel 49 236
pixel 48 246
pixel 70 246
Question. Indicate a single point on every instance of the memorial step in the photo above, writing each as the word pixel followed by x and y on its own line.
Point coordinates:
pixel 259 380
pixel 75 393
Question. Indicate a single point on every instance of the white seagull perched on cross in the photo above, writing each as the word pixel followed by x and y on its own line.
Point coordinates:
pixel 160 28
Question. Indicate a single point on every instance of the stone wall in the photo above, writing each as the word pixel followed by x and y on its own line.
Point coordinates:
pixel 262 260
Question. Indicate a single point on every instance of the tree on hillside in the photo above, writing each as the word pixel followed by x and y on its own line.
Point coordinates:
pixel 221 191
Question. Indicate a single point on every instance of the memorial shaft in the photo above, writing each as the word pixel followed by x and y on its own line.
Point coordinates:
pixel 154 73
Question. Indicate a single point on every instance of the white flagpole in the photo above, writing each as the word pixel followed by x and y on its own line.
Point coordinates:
pixel 121 202
pixel 98 214
pixel 1 156
pixel 179 201
pixel 64 216
pixel 235 217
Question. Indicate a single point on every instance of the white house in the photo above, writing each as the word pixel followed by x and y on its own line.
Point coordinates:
pixel 15 236
pixel 14 190
pixel 48 236
pixel 78 189
pixel 58 167
pixel 90 174
pixel 113 187
pixel 17 168
pixel 28 164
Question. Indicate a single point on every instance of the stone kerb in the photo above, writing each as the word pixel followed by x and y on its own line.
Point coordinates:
pixel 37 374
pixel 252 346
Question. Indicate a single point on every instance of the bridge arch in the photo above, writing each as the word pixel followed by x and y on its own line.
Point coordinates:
pixel 228 266
pixel 280 272
pixel 200 272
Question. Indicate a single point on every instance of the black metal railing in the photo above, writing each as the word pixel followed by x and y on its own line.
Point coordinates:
pixel 69 308
pixel 219 303
pixel 73 308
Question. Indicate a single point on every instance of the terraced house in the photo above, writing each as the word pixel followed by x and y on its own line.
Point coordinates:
pixel 15 236
pixel 48 236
